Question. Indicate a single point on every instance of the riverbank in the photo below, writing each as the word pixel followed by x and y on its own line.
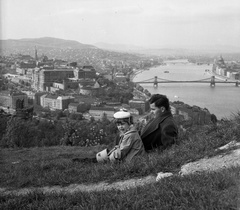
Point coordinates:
pixel 135 73
pixel 199 94
pixel 223 78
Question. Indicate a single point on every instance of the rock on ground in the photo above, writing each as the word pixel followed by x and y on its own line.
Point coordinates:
pixel 225 160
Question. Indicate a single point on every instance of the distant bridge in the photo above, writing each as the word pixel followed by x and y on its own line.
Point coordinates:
pixel 211 80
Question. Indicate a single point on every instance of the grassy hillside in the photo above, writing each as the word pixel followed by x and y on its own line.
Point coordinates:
pixel 39 167
pixel 197 192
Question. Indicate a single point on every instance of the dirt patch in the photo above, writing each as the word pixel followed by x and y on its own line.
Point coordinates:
pixel 73 188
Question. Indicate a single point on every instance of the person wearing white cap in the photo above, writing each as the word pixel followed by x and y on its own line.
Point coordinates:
pixel 130 143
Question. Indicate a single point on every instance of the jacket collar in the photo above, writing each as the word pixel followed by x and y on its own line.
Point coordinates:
pixel 131 130
pixel 154 124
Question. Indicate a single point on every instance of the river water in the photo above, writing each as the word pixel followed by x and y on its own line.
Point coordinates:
pixel 223 100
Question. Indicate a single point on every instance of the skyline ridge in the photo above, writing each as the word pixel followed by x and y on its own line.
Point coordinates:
pixel 186 47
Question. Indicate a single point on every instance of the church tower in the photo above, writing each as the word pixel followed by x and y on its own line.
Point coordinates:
pixel 36 55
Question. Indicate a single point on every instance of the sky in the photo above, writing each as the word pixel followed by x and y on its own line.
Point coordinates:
pixel 146 23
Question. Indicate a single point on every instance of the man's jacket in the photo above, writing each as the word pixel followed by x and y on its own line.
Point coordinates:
pixel 160 132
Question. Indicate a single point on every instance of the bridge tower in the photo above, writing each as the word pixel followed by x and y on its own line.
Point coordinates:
pixel 212 83
pixel 237 83
pixel 155 83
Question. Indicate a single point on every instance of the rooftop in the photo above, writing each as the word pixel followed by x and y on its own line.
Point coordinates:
pixel 102 108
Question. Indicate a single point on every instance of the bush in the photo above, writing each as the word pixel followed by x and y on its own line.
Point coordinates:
pixel 30 133
pixel 91 133
pixel 20 133
pixel 3 126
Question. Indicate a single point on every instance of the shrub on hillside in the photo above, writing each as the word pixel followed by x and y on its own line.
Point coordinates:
pixel 3 126
pixel 50 133
pixel 30 133
pixel 19 133
pixel 91 133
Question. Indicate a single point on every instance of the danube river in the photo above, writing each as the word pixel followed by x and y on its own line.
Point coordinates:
pixel 223 100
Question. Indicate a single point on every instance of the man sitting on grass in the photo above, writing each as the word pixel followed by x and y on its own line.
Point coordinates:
pixel 160 132
pixel 129 146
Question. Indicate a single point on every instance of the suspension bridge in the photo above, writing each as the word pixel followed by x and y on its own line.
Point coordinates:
pixel 211 80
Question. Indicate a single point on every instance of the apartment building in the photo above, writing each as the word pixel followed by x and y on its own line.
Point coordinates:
pixel 99 112
pixel 43 79
pixel 141 105
pixel 13 100
pixel 55 102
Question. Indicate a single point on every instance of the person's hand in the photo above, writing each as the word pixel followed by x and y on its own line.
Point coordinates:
pixel 110 152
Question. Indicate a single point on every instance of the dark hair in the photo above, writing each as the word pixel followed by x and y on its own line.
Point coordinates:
pixel 159 100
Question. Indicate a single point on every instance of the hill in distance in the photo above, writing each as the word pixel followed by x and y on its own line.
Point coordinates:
pixel 45 42
pixel 119 47
pixel 170 50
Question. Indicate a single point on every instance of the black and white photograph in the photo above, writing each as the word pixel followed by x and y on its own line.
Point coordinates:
pixel 120 104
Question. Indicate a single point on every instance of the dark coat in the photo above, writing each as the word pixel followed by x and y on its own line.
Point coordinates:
pixel 160 132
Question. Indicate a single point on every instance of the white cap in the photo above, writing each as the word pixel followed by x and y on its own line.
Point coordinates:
pixel 122 114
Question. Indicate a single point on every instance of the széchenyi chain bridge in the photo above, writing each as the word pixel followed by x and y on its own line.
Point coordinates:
pixel 211 80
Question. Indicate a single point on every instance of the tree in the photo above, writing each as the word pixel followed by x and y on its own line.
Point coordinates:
pixel 50 133
pixel 3 126
pixel 20 133
pixel 75 116
pixel 58 114
pixel 83 107
pixel 104 118
pixel 92 119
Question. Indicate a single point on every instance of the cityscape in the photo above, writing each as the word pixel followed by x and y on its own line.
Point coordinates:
pixel 120 104
pixel 103 83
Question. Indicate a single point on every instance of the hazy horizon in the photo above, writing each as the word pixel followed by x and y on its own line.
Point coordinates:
pixel 142 23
